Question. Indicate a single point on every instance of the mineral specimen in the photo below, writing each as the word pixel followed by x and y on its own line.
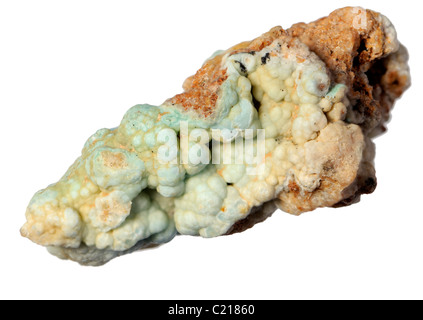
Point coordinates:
pixel 308 99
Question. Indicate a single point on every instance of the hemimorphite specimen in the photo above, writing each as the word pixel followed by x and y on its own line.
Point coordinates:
pixel 318 91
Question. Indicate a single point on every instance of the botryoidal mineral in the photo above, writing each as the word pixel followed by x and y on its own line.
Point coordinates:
pixel 303 104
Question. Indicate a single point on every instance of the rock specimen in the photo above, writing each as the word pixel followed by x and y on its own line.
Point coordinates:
pixel 309 99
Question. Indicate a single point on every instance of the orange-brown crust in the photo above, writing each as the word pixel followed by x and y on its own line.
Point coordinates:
pixel 356 57
pixel 202 89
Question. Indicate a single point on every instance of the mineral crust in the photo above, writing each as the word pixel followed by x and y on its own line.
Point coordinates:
pixel 320 91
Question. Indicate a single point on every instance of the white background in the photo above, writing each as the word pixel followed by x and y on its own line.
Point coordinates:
pixel 68 68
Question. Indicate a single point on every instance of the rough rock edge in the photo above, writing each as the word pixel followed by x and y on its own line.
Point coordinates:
pixel 257 215
pixel 93 257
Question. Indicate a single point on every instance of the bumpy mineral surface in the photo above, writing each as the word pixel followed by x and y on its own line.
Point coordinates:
pixel 320 91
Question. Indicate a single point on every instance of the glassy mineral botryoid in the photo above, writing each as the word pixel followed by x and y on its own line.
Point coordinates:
pixel 319 91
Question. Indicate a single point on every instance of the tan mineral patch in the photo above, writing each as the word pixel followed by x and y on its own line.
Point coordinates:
pixel 114 160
